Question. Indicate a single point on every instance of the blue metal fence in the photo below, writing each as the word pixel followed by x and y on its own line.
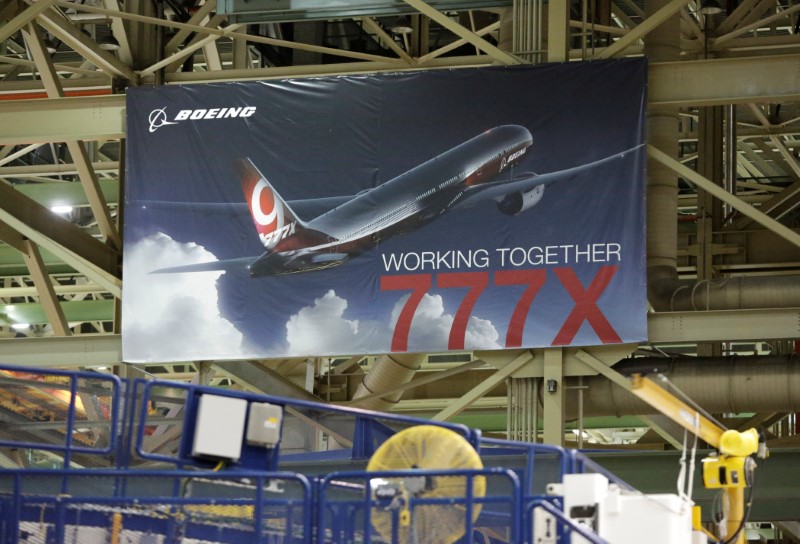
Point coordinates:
pixel 248 500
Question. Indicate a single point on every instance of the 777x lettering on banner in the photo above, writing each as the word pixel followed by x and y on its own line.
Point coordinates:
pixel 585 300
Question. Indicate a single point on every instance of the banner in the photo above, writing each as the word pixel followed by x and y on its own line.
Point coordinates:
pixel 410 212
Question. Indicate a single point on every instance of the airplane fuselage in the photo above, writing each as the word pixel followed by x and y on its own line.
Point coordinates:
pixel 411 199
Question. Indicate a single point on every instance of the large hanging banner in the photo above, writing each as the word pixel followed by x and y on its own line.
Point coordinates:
pixel 425 211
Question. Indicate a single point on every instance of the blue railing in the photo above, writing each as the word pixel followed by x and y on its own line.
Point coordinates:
pixel 249 499
pixel 349 501
pixel 118 505
pixel 76 383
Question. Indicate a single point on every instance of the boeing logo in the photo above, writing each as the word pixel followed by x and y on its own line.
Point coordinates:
pixel 158 118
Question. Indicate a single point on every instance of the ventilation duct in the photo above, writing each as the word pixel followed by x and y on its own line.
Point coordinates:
pixel 760 384
pixel 388 371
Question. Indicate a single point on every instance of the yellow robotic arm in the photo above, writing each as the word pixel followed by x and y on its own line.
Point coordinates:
pixel 732 469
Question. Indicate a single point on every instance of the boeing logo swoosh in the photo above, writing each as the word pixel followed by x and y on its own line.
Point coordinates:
pixel 158 118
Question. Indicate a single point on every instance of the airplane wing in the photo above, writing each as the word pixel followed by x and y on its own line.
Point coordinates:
pixel 225 265
pixel 523 183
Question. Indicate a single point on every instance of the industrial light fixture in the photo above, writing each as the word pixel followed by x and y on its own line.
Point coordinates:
pixel 108 43
pixel 710 7
pixel 401 26
pixel 61 209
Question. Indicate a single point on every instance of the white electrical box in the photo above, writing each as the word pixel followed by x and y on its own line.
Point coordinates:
pixel 264 424
pixel 656 519
pixel 219 427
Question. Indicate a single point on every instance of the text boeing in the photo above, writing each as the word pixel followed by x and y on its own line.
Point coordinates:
pixel 158 118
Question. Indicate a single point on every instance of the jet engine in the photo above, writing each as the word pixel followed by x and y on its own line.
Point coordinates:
pixel 518 202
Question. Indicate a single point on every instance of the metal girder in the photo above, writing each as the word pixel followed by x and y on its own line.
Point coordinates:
pixel 77 149
pixel 667 11
pixel 54 170
pixel 29 14
pixel 44 287
pixel 62 119
pixel 65 194
pixel 80 311
pixel 776 207
pixel 69 289
pixel 263 380
pixel 766 21
pixel 212 23
pixel 723 195
pixel 721 81
pixel 702 82
pixel 558 31
pixel 86 350
pixel 85 46
pixel 247 11
pixel 465 33
pixel 64 240
pixel 196 19
pixel 723 325
pixel 279 72
pixel 479 391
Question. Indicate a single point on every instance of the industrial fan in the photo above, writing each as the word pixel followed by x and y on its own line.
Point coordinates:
pixel 425 447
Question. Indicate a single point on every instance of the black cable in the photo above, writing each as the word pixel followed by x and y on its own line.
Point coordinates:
pixel 746 515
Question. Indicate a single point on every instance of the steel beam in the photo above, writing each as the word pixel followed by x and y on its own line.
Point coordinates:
pixel 480 390
pixel 465 33
pixel 54 170
pixel 723 195
pixel 723 325
pixel 637 33
pixel 81 311
pixel 29 14
pixel 702 82
pixel 77 149
pixel 64 240
pixel 722 81
pixel 85 46
pixel 553 397
pixel 44 287
pixel 256 377
pixel 61 119
pixel 86 350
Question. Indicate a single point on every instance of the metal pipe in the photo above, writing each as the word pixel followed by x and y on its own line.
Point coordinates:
pixel 388 371
pixel 734 384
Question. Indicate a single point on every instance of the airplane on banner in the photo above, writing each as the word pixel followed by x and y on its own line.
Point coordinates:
pixel 343 227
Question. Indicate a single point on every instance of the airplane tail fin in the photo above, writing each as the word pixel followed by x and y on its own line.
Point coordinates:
pixel 273 218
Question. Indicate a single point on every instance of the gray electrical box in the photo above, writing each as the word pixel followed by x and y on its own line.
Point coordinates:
pixel 219 426
pixel 264 424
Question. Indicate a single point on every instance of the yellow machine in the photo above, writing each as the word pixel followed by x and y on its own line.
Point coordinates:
pixel 731 469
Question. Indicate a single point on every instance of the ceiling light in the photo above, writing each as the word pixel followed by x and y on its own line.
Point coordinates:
pixel 401 26
pixel 61 209
pixel 710 7
pixel 108 43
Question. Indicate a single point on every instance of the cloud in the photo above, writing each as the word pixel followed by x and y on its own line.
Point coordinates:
pixel 173 317
pixel 322 328
pixel 430 328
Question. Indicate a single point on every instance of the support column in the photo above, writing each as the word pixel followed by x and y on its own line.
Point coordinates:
pixel 553 395
pixel 557 32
